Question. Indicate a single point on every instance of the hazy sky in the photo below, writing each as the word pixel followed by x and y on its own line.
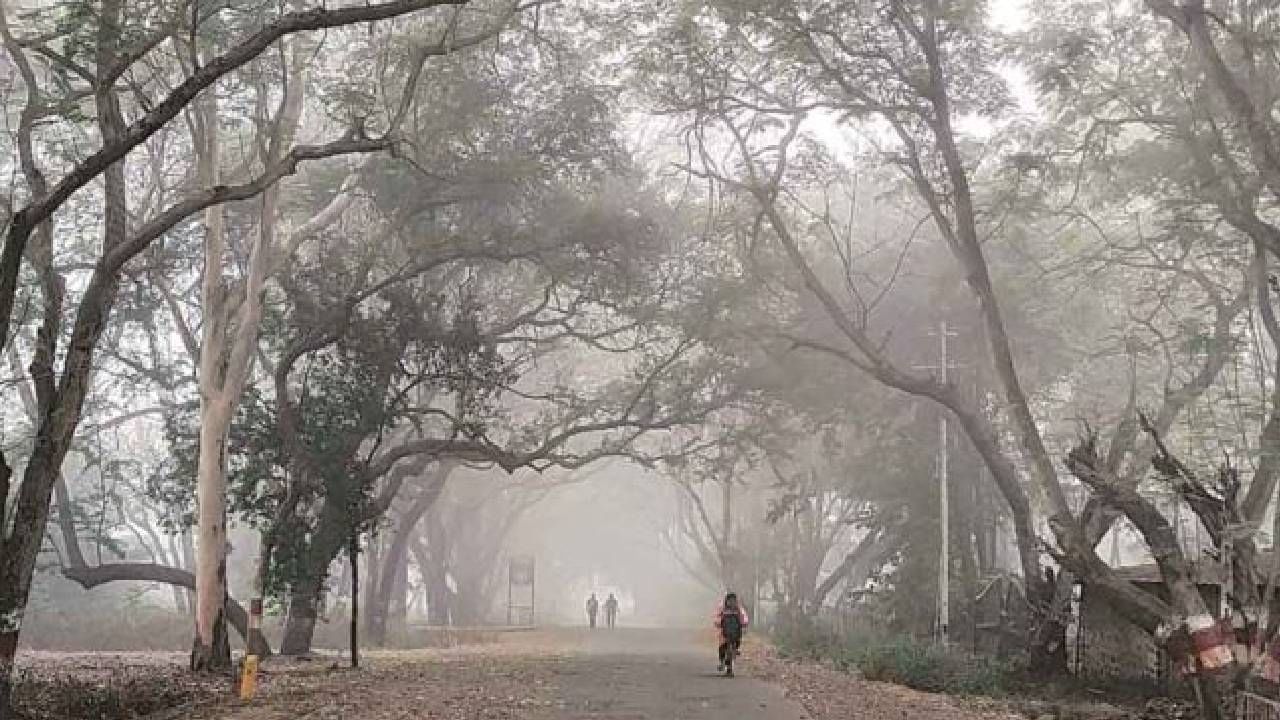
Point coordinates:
pixel 1009 14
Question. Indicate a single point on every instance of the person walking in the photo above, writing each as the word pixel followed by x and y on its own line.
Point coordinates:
pixel 611 610
pixel 593 606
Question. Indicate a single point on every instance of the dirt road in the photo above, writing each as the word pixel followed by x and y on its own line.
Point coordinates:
pixel 573 675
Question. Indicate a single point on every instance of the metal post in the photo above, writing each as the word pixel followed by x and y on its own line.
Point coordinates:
pixel 944 505
pixel 944 555
pixel 755 579
pixel 1227 582
pixel 354 552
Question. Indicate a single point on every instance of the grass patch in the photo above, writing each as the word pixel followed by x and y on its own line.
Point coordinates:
pixel 905 661
pixel 936 669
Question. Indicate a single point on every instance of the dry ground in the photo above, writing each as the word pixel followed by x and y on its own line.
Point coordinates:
pixel 625 674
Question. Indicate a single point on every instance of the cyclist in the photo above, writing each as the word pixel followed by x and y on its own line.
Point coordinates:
pixel 731 621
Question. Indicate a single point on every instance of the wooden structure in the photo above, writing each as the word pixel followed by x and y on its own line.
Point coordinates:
pixel 1251 706
pixel 1000 616
pixel 1108 647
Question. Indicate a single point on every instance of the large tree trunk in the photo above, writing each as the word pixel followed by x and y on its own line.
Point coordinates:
pixel 331 537
pixel 11 609
pixel 300 622
pixel 210 650
pixel 215 654
pixel 224 365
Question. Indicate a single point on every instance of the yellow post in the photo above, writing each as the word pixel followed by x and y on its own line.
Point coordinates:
pixel 249 678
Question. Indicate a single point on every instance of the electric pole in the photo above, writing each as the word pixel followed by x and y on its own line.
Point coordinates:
pixel 943 367
pixel 944 515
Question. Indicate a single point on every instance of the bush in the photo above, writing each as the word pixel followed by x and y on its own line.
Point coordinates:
pixel 929 667
pixel 902 660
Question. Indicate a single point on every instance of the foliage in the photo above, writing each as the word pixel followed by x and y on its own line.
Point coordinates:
pixel 357 389
pixel 747 314
pixel 903 659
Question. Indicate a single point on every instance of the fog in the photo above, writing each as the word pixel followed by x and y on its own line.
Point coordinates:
pixel 374 324
pixel 611 534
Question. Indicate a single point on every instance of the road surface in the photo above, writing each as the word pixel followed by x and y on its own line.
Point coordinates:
pixel 624 674
pixel 621 674
pixel 655 674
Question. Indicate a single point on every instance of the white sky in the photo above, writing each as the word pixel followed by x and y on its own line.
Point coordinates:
pixel 1006 16
pixel 1009 14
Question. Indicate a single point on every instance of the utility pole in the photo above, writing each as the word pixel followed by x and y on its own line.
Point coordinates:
pixel 944 506
pixel 944 516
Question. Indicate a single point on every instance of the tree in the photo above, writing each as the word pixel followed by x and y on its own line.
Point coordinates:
pixel 1197 135
pixel 108 42
pixel 753 84
pixel 387 356
pixel 225 360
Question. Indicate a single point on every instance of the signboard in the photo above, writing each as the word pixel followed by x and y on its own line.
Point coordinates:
pixel 521 571
pixel 520 574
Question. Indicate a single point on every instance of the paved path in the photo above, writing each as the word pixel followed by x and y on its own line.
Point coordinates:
pixel 658 675
pixel 577 674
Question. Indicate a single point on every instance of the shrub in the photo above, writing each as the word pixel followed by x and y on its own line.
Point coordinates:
pixel 902 660
pixel 929 667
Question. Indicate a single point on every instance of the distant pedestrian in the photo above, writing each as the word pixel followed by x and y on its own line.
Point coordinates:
pixel 593 606
pixel 611 610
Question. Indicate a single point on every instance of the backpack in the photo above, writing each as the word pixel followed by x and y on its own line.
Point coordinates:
pixel 731 625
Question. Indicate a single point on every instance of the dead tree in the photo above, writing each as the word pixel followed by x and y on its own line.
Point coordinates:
pixel 1216 650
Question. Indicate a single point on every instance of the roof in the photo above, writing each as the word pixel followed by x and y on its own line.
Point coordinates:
pixel 1206 572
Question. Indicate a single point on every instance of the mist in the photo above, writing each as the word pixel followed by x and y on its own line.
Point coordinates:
pixel 581 347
